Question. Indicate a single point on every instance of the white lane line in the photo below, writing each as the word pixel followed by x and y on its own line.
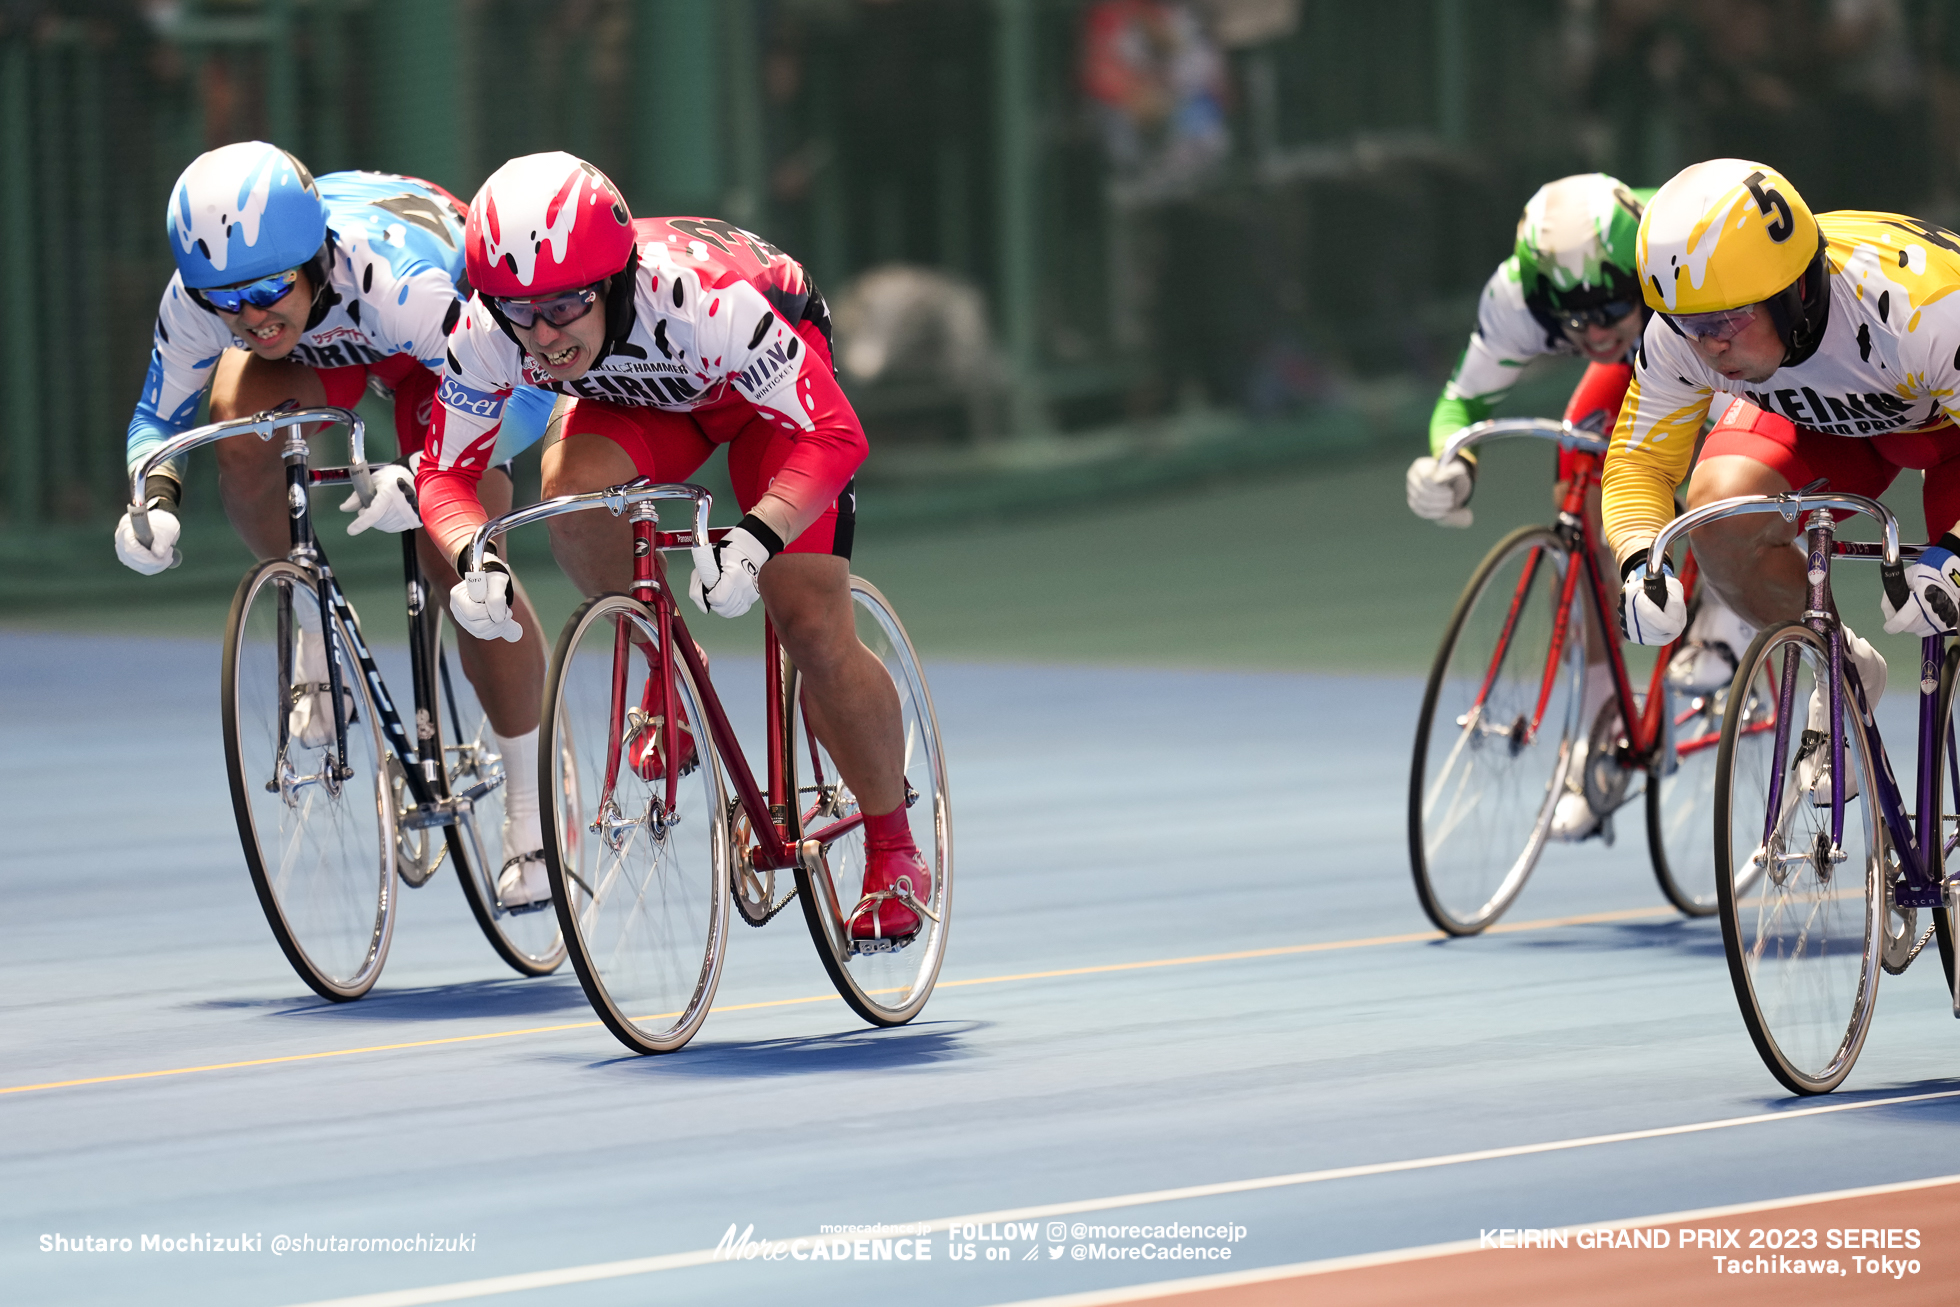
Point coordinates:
pixel 466 1289
pixel 1265 1274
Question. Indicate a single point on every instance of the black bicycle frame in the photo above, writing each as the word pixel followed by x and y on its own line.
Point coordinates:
pixel 421 773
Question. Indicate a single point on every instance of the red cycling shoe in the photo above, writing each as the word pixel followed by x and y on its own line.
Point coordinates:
pixel 897 888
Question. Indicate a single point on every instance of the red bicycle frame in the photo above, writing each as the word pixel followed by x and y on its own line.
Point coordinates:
pixel 1644 726
pixel 774 818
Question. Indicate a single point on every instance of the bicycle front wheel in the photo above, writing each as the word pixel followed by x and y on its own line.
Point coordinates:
pixel 1801 914
pixel 1495 737
pixel 641 884
pixel 475 767
pixel 319 838
pixel 885 985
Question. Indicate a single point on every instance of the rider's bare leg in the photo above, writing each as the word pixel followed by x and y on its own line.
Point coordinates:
pixel 594 549
pixel 251 473
pixel 852 704
pixel 1747 559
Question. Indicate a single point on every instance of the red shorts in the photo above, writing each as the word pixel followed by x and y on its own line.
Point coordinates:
pixel 670 446
pixel 1600 390
pixel 1848 464
pixel 414 387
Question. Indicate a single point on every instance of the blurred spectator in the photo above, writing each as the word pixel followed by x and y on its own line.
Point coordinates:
pixel 923 331
pixel 1158 84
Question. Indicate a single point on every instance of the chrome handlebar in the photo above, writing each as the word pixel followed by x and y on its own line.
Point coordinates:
pixel 263 425
pixel 616 500
pixel 1891 569
pixel 1567 435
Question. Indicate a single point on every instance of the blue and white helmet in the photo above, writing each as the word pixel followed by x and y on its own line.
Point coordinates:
pixel 241 212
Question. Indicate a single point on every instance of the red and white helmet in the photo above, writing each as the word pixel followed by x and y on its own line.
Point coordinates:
pixel 545 223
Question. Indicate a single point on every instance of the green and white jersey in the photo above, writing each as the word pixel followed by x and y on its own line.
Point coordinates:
pixel 1508 336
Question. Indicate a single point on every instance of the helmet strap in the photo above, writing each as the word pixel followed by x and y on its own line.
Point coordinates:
pixel 497 316
pixel 1802 309
pixel 619 304
pixel 324 295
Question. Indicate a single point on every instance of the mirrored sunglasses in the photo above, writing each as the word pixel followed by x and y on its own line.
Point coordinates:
pixel 1597 315
pixel 558 310
pixel 260 294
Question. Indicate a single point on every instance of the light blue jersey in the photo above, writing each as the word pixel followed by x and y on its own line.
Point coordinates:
pixel 393 288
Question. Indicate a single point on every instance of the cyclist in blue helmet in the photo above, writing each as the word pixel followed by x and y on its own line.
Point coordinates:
pixel 292 288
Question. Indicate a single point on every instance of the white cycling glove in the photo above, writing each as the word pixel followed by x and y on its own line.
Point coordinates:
pixel 725 574
pixel 161 553
pixel 1933 595
pixel 393 508
pixel 481 602
pixel 1440 492
pixel 1641 619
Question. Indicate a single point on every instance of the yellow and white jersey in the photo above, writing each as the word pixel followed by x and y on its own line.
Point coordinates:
pixel 1889 361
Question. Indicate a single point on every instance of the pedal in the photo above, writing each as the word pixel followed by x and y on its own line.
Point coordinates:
pixel 866 947
pixel 442 812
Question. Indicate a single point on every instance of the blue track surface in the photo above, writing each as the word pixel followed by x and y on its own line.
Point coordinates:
pixel 1103 818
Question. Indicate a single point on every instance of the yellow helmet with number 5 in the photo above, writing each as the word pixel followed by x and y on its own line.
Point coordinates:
pixel 1730 233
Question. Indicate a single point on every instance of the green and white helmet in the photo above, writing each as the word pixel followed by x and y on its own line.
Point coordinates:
pixel 1576 245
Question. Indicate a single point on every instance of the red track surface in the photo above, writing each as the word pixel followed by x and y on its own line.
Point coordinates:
pixel 1643 1277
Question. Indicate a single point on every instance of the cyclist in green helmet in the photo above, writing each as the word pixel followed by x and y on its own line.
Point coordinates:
pixel 1569 288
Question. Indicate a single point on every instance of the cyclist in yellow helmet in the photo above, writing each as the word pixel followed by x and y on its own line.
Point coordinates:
pixel 1569 288
pixel 1828 346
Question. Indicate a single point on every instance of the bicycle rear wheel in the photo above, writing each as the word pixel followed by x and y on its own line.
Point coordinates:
pixel 641 889
pixel 1495 737
pixel 886 986
pixel 1681 787
pixel 473 765
pixel 320 847
pixel 1801 922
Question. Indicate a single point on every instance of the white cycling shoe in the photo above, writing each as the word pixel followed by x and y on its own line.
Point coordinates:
pixel 310 722
pixel 1713 649
pixel 1573 819
pixel 1814 749
pixel 522 885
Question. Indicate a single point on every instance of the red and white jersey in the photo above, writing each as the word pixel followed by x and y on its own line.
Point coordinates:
pixel 713 334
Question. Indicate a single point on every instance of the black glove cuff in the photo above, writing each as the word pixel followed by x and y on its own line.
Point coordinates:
pixel 1638 559
pixel 1949 542
pixel 760 529
pixel 162 491
pixel 491 563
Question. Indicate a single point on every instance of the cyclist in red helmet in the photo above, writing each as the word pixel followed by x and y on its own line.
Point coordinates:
pixel 669 337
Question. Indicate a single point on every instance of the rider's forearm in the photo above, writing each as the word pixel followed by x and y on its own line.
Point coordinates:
pixel 1453 413
pixel 450 508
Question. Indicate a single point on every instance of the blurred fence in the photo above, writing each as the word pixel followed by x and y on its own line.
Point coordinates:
pixel 1264 239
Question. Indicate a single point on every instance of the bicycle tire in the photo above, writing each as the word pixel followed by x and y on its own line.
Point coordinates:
pixel 1509 789
pixel 321 855
pixel 1804 968
pixel 643 904
pixel 531 943
pixel 888 986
